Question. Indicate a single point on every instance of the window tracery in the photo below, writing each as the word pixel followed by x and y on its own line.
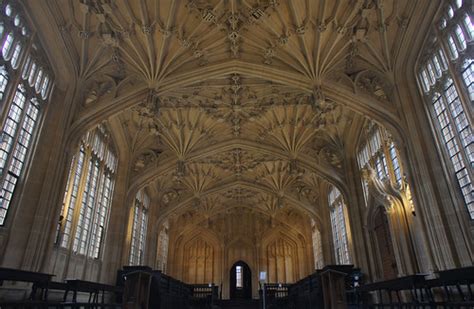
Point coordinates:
pixel 446 78
pixel 22 100
pixel 139 228
pixel 88 195
pixel 378 152
pixel 338 215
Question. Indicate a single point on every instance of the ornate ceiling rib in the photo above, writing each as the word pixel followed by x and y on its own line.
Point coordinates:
pixel 188 201
pixel 345 95
pixel 250 99
pixel 307 163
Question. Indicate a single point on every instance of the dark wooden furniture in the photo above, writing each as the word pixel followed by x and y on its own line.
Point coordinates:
pixel 93 288
pixel 39 280
pixel 157 289
pixel 408 291
pixel 333 282
pixel 137 290
pixel 457 286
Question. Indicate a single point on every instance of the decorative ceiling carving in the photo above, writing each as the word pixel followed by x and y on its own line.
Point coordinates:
pixel 237 161
pixel 155 39
pixel 183 76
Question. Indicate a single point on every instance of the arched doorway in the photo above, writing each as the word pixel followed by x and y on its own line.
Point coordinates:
pixel 240 281
pixel 384 244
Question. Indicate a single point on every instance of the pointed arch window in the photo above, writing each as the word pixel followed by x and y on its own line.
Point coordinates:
pixel 139 228
pixel 88 195
pixel 379 152
pixel 338 215
pixel 450 95
pixel 20 105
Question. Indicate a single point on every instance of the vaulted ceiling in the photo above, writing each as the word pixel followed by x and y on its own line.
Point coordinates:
pixel 234 102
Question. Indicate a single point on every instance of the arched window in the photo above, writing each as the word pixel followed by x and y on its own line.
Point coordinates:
pixel 20 104
pixel 338 224
pixel 317 246
pixel 139 228
pixel 88 195
pixel 379 152
pixel 450 94
pixel 162 256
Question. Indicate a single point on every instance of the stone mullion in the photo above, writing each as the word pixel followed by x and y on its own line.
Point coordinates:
pixel 455 74
pixel 67 200
pixel 97 200
pixel 14 146
pixel 77 208
pixel 138 229
pixel 457 85
pixel 14 80
pixel 9 97
pixel 388 160
pixel 142 214
pixel 80 195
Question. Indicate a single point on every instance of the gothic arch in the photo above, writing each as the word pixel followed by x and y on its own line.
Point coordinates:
pixel 323 169
pixel 361 103
pixel 246 184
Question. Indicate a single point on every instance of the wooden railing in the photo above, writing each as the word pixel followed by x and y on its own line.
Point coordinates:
pixel 450 289
pixel 275 294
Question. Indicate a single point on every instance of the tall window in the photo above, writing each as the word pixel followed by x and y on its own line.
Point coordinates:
pixel 238 277
pixel 317 246
pixel 338 225
pixel 88 195
pixel 140 221
pixel 446 77
pixel 163 240
pixel 378 151
pixel 25 85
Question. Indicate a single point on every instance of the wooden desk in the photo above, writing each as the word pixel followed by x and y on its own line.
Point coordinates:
pixel 39 280
pixel 93 288
pixel 414 284
pixel 458 277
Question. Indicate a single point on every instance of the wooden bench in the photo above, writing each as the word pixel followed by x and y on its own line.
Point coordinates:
pixel 414 285
pixel 451 289
pixel 39 280
pixel 457 286
pixel 93 288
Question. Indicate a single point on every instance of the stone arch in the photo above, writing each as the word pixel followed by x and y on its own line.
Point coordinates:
pixel 361 103
pixel 322 169
pixel 168 211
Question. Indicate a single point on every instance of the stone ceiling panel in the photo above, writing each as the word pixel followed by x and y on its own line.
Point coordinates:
pixel 196 61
